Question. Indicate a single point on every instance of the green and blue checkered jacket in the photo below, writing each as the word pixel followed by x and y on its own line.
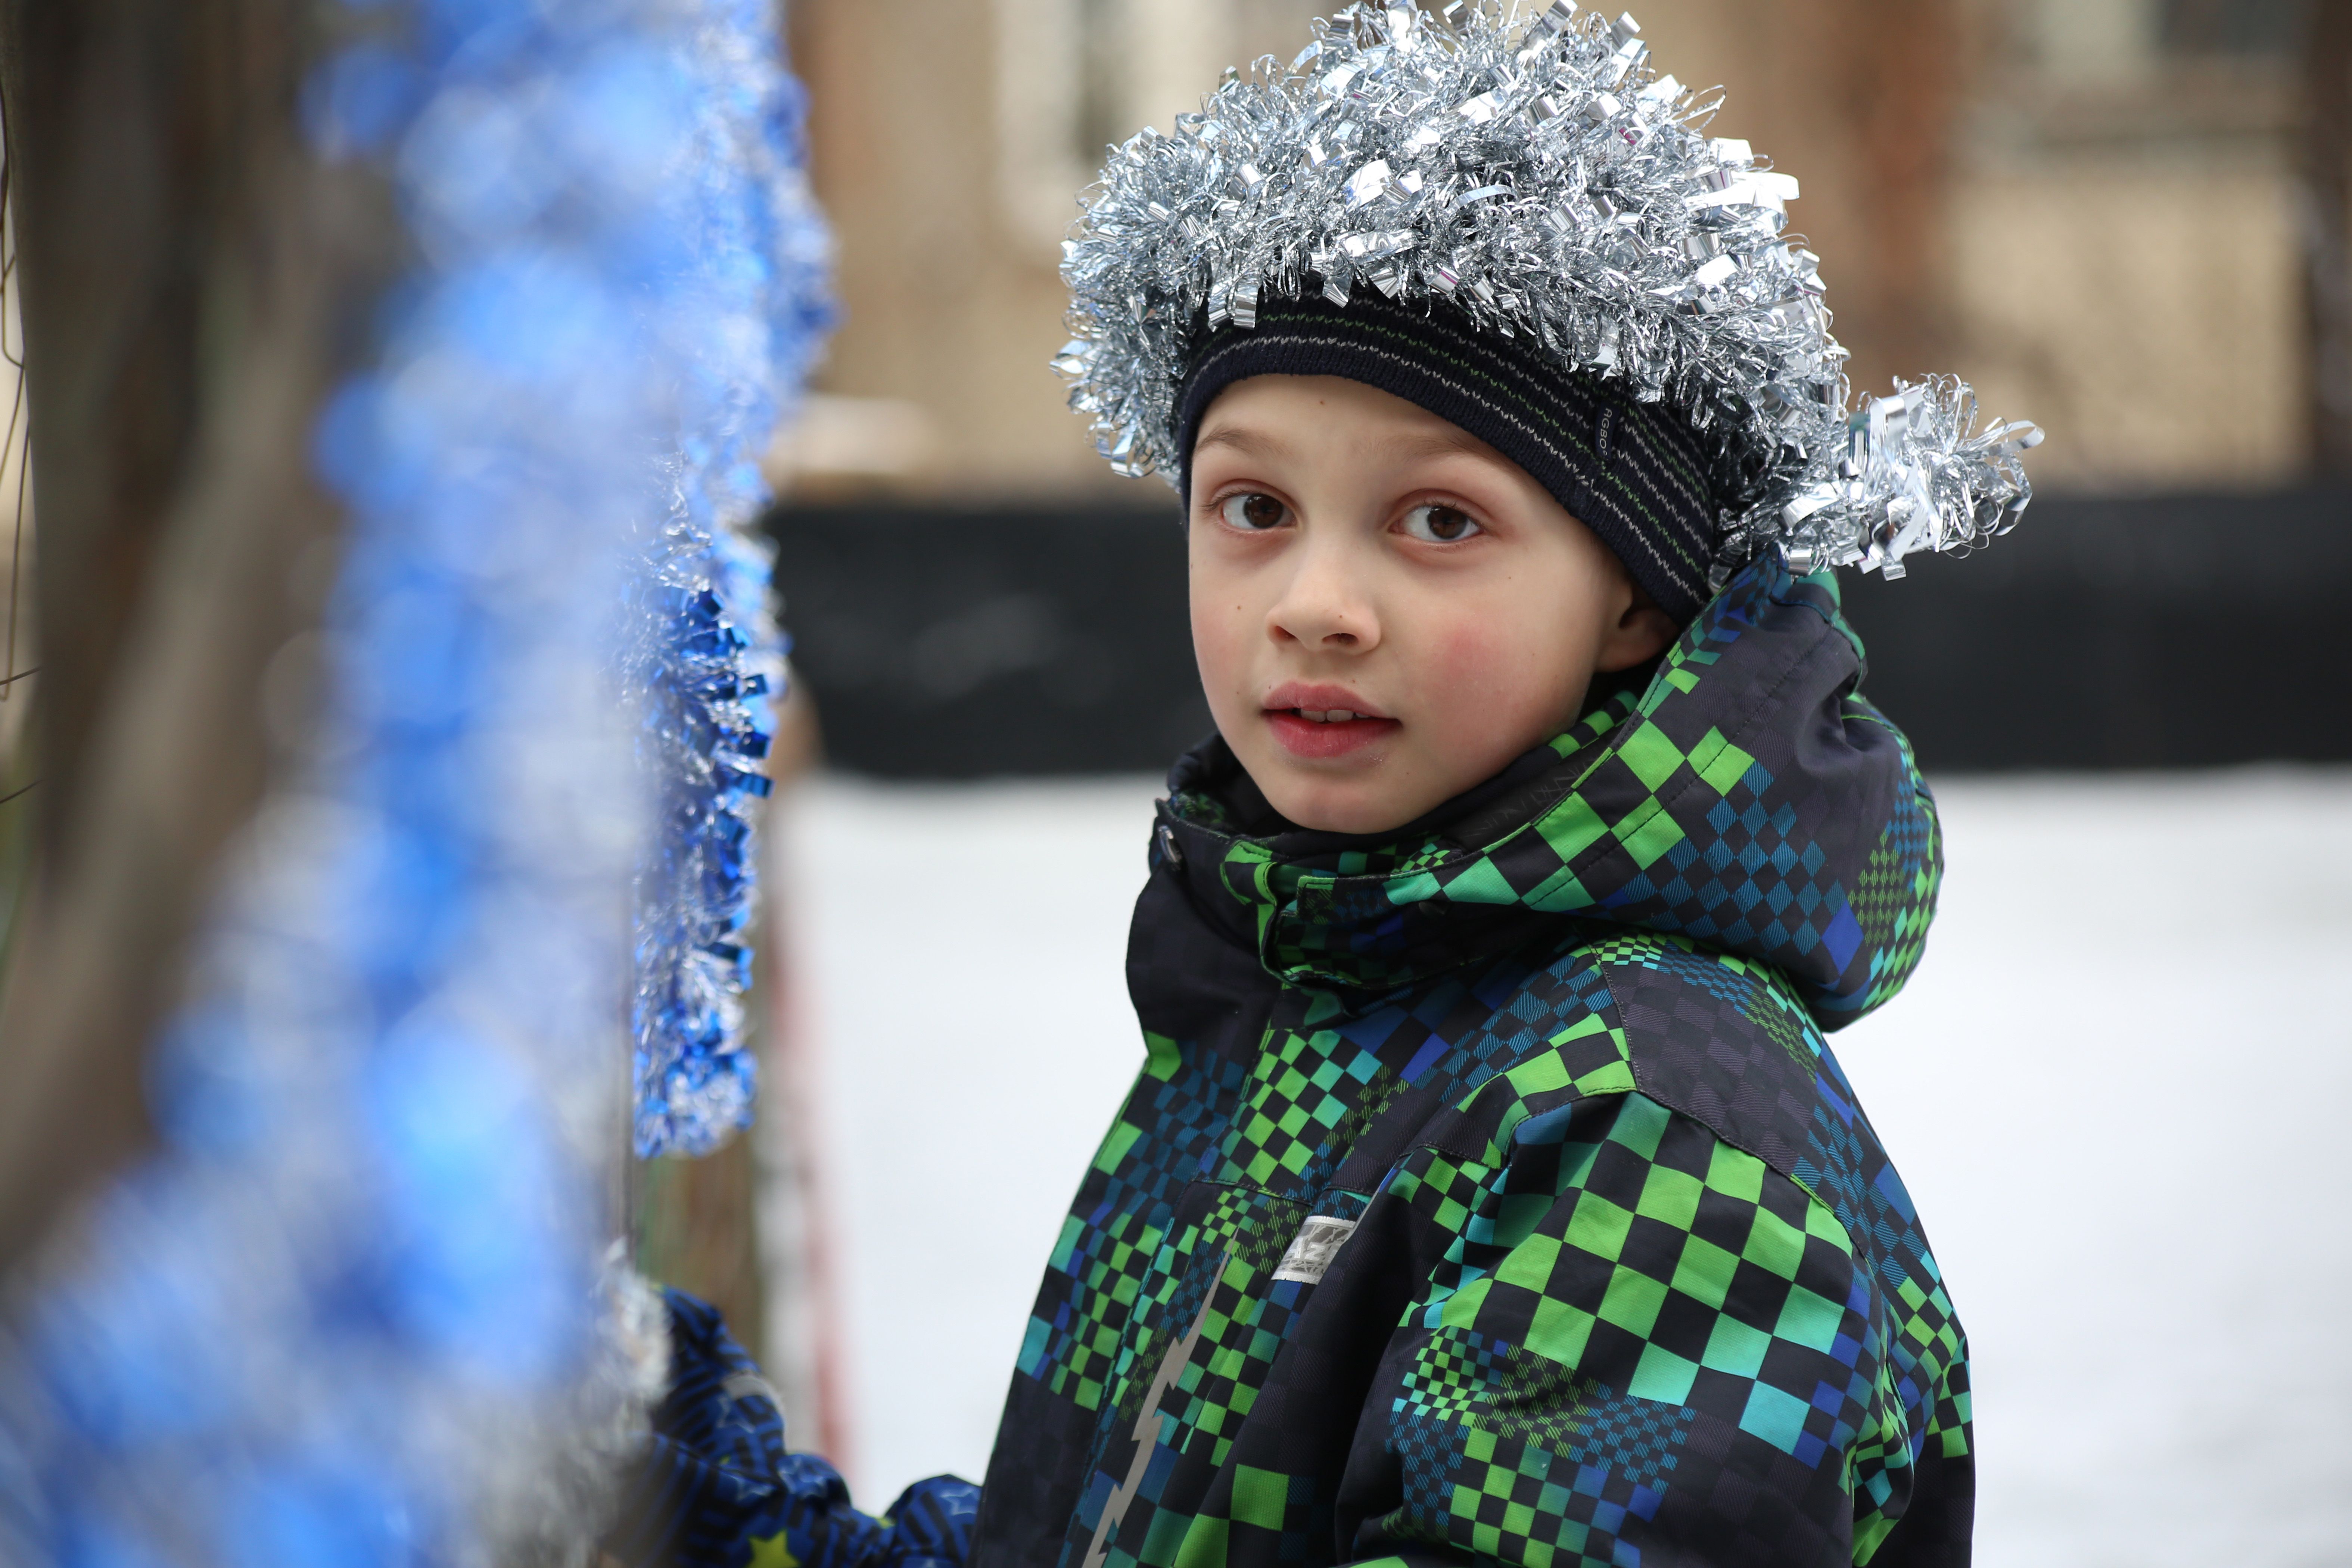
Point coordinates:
pixel 1489 1194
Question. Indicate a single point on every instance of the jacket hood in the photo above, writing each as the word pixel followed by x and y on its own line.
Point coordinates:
pixel 1746 798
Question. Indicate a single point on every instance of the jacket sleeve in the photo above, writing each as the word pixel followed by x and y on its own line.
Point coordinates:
pixel 1644 1346
pixel 714 1487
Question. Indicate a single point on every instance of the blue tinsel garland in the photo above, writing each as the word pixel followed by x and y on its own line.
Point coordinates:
pixel 708 660
pixel 349 1314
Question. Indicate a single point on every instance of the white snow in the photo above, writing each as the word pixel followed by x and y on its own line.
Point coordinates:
pixel 2117 1090
pixel 960 956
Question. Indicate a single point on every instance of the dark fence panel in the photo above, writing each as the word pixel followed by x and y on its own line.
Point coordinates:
pixel 2151 632
pixel 943 643
pixel 2168 631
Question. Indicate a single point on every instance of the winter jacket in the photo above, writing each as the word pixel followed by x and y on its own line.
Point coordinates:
pixel 1489 1192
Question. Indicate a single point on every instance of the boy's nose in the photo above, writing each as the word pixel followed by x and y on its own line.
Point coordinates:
pixel 1322 608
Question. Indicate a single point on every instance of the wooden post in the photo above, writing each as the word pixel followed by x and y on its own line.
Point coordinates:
pixel 2328 231
pixel 192 283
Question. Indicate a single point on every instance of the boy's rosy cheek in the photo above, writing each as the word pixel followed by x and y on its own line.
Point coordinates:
pixel 1217 636
pixel 1473 660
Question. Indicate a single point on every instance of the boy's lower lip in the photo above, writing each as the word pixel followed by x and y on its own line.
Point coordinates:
pixel 1313 738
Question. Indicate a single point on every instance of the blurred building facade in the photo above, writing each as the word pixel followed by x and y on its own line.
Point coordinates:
pixel 2087 208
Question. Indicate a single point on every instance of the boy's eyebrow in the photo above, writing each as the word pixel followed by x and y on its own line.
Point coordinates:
pixel 1444 442
pixel 1260 443
pixel 1241 438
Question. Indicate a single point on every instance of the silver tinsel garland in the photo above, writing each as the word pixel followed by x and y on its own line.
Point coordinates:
pixel 1546 180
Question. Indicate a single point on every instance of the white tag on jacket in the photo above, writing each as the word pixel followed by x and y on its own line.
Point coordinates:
pixel 1312 1249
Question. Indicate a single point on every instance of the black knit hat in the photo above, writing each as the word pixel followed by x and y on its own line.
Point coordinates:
pixel 1634 473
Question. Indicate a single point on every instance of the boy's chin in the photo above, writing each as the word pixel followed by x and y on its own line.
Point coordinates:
pixel 1360 805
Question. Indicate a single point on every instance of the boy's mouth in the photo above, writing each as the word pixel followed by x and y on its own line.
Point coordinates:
pixel 1314 723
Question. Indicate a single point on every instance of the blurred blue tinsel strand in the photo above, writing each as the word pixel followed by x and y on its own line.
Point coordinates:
pixel 707 661
pixel 352 1312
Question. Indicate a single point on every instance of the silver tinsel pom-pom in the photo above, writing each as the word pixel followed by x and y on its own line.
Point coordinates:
pixel 1547 183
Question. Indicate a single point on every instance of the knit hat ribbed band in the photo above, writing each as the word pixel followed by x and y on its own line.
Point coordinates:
pixel 1634 473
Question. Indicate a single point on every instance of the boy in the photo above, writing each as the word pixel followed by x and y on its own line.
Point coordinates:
pixel 1489 1194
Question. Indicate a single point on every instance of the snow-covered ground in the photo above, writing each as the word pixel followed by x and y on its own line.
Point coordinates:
pixel 2117 1089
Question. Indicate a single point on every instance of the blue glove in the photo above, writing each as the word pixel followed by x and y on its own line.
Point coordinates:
pixel 715 1488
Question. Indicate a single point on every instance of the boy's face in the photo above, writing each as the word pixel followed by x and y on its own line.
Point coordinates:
pixel 1386 610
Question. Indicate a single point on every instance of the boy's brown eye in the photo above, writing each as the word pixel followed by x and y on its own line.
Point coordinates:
pixel 1440 524
pixel 1254 512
